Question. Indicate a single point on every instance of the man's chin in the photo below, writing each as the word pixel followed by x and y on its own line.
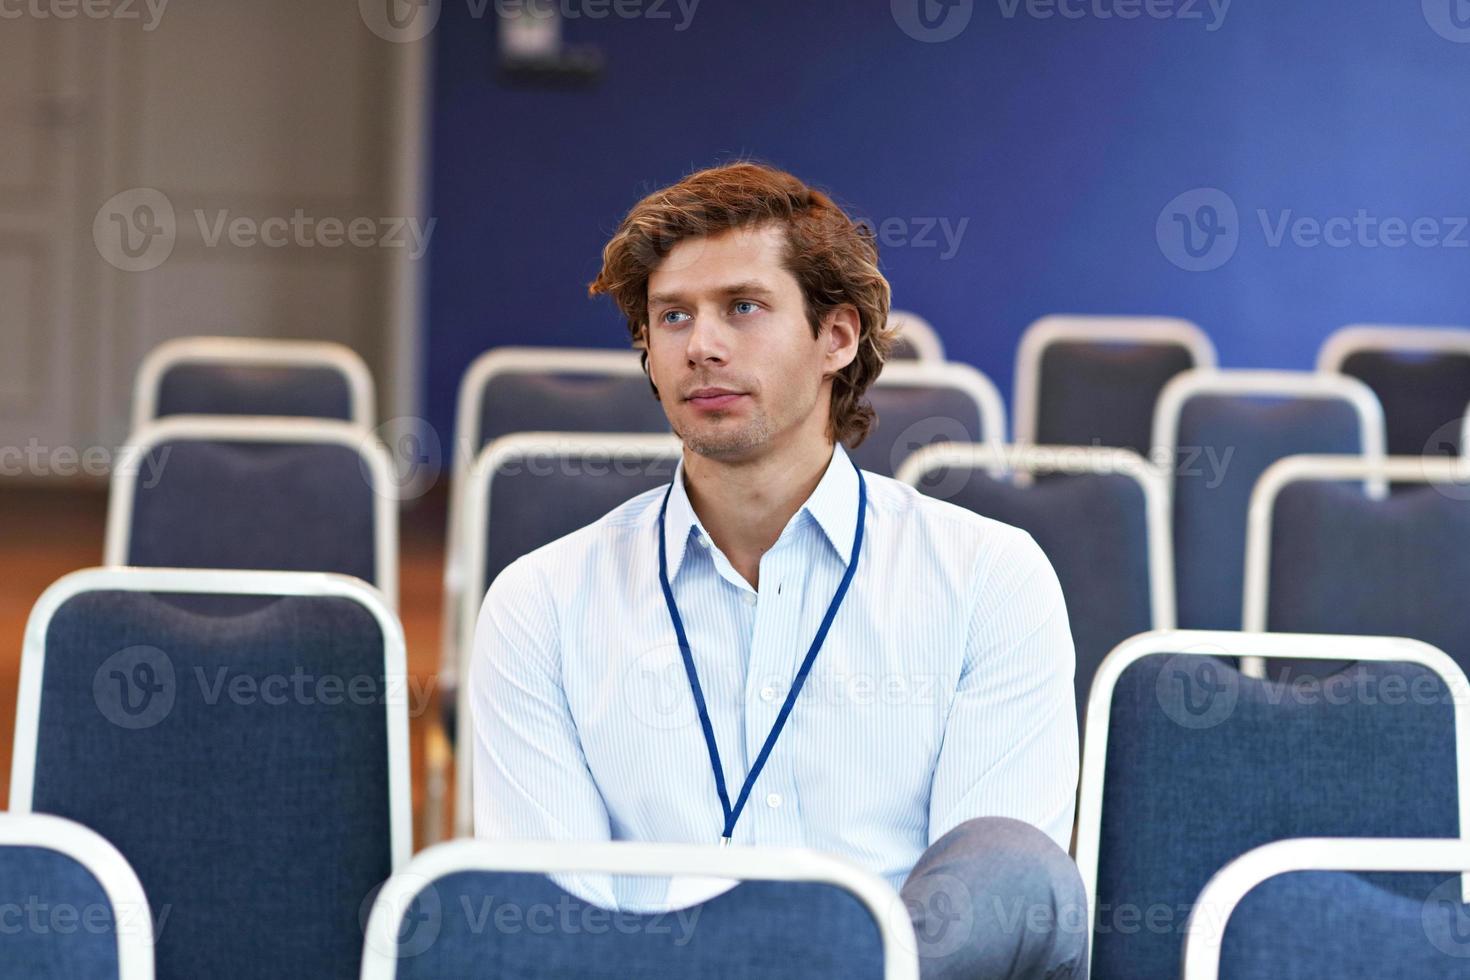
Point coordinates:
pixel 731 445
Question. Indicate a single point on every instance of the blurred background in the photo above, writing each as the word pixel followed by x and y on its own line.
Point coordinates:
pixel 423 180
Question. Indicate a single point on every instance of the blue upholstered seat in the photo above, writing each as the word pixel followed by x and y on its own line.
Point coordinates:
pixel 1203 764
pixel 236 749
pixel 1224 443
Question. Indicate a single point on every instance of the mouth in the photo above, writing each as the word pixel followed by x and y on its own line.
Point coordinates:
pixel 711 399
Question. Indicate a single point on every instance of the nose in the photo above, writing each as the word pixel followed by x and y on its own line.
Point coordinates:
pixel 706 341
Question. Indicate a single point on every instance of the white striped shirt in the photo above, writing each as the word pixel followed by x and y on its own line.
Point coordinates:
pixel 943 691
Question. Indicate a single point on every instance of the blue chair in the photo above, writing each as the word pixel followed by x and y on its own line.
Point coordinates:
pixel 1324 556
pixel 242 738
pixel 1094 380
pixel 1217 431
pixel 1342 925
pixel 917 339
pixel 1101 516
pixel 74 909
pixel 256 493
pixel 919 403
pixel 253 376
pixel 796 914
pixel 505 391
pixel 528 490
pixel 1420 375
pixel 1187 764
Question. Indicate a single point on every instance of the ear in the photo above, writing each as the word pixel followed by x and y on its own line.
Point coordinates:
pixel 844 327
pixel 641 344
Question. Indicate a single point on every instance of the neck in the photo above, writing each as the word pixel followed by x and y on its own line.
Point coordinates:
pixel 745 505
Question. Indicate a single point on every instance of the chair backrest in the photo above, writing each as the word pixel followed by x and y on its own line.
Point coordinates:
pixel 253 376
pixel 1421 375
pixel 1187 764
pixel 1217 431
pixel 241 737
pixel 917 339
pixel 534 389
pixel 795 914
pixel 1094 380
pixel 256 493
pixel 1322 556
pixel 74 906
pixel 1344 926
pixel 919 403
pixel 528 490
pixel 1100 515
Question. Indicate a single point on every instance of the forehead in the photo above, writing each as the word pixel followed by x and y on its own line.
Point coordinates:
pixel 740 255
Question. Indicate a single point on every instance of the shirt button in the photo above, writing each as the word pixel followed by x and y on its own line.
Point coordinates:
pixel 768 694
pixel 703 541
pixel 773 800
pixel 749 598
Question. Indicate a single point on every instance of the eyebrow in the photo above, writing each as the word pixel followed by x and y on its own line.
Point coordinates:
pixel 750 287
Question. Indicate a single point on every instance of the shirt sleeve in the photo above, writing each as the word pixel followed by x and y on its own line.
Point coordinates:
pixel 531 780
pixel 1010 741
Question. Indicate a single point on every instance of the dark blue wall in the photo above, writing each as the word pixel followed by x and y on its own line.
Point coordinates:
pixel 1057 141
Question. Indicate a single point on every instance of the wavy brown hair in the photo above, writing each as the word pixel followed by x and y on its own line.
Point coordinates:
pixel 833 258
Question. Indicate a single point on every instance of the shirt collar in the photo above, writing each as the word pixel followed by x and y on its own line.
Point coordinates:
pixel 833 505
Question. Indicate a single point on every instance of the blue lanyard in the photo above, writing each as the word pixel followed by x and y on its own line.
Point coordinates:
pixel 732 814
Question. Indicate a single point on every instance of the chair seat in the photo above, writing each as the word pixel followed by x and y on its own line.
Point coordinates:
pixel 1313 924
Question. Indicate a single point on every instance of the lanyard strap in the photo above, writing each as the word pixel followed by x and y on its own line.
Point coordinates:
pixel 732 814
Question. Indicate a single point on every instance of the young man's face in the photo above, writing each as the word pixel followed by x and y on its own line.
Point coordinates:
pixel 723 313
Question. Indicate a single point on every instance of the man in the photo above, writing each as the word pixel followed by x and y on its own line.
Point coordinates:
pixel 875 673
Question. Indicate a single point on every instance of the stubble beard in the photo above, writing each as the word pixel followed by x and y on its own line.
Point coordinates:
pixel 718 440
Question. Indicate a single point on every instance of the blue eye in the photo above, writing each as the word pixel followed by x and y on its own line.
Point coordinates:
pixel 668 317
pixel 739 307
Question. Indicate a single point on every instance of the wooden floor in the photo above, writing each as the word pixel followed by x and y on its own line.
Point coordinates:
pixel 46 532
